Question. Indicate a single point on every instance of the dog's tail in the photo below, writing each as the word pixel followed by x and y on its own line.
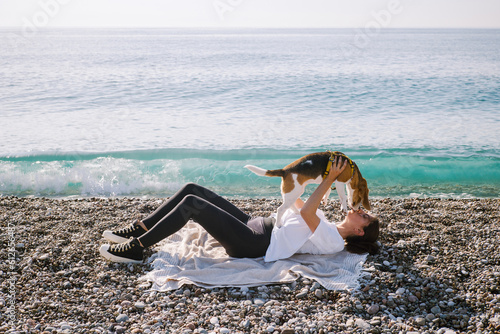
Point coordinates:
pixel 264 172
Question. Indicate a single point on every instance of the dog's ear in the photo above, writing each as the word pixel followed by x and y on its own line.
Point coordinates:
pixel 363 189
pixel 366 203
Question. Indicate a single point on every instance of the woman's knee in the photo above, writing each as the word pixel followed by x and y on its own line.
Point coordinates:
pixel 196 189
pixel 194 202
pixel 190 207
pixel 189 187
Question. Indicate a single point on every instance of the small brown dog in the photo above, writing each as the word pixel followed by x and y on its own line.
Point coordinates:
pixel 311 169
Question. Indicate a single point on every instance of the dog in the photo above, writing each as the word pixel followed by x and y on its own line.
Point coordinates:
pixel 313 168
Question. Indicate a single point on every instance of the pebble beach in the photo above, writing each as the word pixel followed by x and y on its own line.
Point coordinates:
pixel 438 272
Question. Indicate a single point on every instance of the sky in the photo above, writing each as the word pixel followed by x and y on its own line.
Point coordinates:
pixel 251 13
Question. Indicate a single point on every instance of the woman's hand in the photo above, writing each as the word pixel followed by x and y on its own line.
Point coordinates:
pixel 336 169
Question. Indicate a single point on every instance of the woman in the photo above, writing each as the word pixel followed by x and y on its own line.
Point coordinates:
pixel 243 236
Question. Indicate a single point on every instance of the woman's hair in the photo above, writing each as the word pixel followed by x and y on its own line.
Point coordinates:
pixel 367 243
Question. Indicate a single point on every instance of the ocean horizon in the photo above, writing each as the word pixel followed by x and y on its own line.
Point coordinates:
pixel 139 112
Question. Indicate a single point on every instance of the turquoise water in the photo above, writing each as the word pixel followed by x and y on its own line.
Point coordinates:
pixel 140 112
pixel 161 172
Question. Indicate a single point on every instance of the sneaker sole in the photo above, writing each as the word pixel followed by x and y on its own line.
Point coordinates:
pixel 108 256
pixel 110 236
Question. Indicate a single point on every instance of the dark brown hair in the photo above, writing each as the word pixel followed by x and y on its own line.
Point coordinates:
pixel 367 243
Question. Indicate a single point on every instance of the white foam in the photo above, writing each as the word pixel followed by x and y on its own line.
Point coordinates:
pixel 98 177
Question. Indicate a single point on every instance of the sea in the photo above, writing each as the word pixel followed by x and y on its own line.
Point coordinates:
pixel 140 112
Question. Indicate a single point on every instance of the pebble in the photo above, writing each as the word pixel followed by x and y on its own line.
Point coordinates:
pixel 344 309
pixel 139 305
pixel 302 294
pixel 122 318
pixel 373 309
pixel 436 310
pixel 451 288
pixel 126 303
pixel 360 323
pixel 259 302
pixel 420 321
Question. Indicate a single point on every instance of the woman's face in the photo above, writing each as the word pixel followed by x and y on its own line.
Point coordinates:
pixel 358 220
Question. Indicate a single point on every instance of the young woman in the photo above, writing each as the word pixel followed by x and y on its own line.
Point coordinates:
pixel 244 236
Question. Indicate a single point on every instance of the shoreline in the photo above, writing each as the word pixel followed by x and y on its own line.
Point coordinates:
pixel 438 269
pixel 333 197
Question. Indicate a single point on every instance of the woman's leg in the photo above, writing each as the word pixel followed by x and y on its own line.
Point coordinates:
pixel 139 227
pixel 235 236
pixel 197 190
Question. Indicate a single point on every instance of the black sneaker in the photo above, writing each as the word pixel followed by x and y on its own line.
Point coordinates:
pixel 134 230
pixel 127 252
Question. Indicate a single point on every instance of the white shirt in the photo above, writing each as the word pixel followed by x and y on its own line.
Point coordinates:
pixel 296 237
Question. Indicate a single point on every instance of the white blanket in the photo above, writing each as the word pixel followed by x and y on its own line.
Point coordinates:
pixel 192 256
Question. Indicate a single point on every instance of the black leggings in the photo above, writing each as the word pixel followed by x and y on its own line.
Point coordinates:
pixel 221 219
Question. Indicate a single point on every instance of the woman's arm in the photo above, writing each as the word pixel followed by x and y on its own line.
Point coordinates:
pixel 308 211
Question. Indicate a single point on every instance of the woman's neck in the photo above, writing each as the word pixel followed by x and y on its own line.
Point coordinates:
pixel 343 230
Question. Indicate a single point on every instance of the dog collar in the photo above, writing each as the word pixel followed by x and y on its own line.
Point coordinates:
pixel 332 159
